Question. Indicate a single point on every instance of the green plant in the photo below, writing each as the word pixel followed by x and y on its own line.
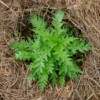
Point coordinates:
pixel 51 52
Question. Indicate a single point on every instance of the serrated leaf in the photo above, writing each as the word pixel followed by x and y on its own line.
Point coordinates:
pixel 53 53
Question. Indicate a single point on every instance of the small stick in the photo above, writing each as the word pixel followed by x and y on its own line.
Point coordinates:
pixel 7 7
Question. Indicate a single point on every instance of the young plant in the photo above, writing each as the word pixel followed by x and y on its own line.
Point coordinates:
pixel 51 51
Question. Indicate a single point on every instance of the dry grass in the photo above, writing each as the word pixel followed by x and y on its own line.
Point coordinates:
pixel 84 14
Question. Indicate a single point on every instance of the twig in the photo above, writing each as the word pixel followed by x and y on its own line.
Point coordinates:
pixel 7 7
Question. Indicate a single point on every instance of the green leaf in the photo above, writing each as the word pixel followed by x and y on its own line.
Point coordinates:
pixel 53 52
pixel 62 80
